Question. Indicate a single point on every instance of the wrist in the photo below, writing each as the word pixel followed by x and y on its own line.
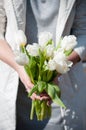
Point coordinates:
pixel 74 57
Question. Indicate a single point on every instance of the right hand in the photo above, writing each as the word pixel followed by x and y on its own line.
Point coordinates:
pixel 28 84
pixel 26 81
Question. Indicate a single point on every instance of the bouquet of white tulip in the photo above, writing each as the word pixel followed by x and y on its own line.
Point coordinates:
pixel 43 62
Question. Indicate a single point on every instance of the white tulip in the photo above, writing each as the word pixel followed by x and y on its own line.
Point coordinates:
pixel 20 37
pixel 21 58
pixel 49 50
pixel 68 42
pixel 51 65
pixel 59 55
pixel 62 67
pixel 43 38
pixel 62 64
pixel 33 50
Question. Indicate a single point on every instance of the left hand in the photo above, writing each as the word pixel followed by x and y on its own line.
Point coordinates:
pixel 28 85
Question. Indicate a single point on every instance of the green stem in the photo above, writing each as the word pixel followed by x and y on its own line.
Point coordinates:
pixel 32 110
pixel 42 110
pixel 38 109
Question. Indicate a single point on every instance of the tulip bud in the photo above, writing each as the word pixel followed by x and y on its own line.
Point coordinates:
pixel 20 38
pixel 21 58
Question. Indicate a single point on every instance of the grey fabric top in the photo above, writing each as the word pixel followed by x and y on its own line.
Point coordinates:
pixel 41 16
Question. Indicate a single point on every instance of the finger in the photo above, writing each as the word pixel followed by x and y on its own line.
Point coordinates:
pixel 49 102
pixel 43 94
pixel 35 96
pixel 44 98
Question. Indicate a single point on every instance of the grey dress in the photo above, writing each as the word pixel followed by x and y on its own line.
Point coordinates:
pixel 43 18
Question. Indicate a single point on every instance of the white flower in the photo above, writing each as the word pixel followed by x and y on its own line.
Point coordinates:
pixel 20 38
pixel 59 55
pixel 21 58
pixel 49 50
pixel 69 42
pixel 33 50
pixel 62 64
pixel 43 38
pixel 51 65
pixel 62 67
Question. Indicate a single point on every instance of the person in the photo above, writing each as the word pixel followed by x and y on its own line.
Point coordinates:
pixel 60 18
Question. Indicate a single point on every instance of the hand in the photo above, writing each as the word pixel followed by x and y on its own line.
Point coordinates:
pixel 45 96
pixel 28 85
pixel 26 81
pixel 74 57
